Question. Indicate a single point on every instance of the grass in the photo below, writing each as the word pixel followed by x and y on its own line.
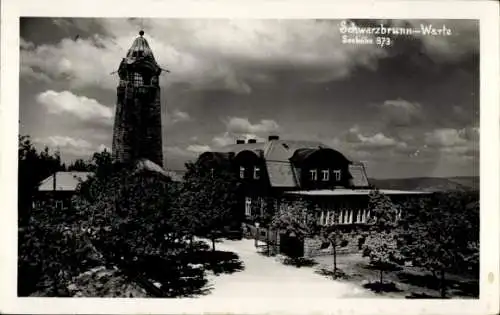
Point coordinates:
pixel 407 282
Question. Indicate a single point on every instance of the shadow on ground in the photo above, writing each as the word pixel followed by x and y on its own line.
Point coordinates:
pixel 219 262
pixel 164 277
pixel 468 288
pixel 338 274
pixel 378 287
pixel 299 262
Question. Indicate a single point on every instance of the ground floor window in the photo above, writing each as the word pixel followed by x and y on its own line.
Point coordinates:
pixel 248 206
pixel 342 216
pixel 59 204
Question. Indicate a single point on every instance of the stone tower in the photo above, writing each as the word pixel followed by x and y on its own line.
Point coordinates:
pixel 137 128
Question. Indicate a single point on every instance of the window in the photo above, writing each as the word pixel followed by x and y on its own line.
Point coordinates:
pixel 337 175
pixel 325 175
pixel 136 79
pixel 256 173
pixel 313 174
pixel 331 217
pixel 321 218
pixel 248 206
pixel 242 172
pixel 59 204
pixel 212 172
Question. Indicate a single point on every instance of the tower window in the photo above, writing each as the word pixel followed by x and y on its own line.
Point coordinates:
pixel 256 173
pixel 242 172
pixel 313 175
pixel 337 174
pixel 136 79
pixel 325 175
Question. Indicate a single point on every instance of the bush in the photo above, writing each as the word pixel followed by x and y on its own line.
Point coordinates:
pixel 50 255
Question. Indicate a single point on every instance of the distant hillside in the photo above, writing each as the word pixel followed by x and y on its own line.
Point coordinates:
pixel 464 183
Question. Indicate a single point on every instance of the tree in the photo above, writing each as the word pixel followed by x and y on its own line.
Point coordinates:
pixel 134 220
pixel 381 246
pixel 33 167
pixel 100 162
pixel 265 217
pixel 383 252
pixel 383 213
pixel 441 234
pixel 211 196
pixel 80 165
pixel 296 221
pixel 336 238
pixel 52 250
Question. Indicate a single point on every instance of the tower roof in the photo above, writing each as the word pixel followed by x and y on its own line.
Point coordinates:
pixel 140 49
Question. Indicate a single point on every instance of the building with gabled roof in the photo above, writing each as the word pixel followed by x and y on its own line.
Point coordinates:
pixel 282 171
pixel 291 164
pixel 59 188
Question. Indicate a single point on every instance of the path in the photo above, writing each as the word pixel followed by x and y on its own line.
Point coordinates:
pixel 265 277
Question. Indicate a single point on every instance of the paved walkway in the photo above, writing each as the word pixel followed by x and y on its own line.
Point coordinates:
pixel 265 277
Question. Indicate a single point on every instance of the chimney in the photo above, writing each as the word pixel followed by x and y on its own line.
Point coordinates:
pixel 54 181
pixel 273 137
pixel 240 141
pixel 252 141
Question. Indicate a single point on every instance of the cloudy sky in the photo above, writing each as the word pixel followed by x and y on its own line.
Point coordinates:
pixel 411 109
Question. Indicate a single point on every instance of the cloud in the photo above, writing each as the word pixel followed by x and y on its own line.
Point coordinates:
pixel 103 147
pixel 452 137
pixel 223 140
pixel 400 113
pixel 179 152
pixel 375 141
pixel 446 137
pixel 177 116
pixel 239 125
pixel 74 147
pixel 242 129
pixel 202 53
pixel 197 148
pixel 81 63
pixel 451 141
pixel 463 40
pixel 84 108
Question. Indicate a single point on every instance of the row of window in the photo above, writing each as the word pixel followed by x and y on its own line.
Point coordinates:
pixel 58 204
pixel 325 217
pixel 344 216
pixel 256 172
pixel 325 175
pixel 313 174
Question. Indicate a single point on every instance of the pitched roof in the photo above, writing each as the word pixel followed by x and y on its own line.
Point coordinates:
pixel 64 181
pixel 175 175
pixel 283 150
pixel 140 47
pixel 358 173
pixel 277 154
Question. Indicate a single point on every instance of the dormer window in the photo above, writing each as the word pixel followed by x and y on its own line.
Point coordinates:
pixel 256 172
pixel 337 174
pixel 242 172
pixel 313 175
pixel 325 175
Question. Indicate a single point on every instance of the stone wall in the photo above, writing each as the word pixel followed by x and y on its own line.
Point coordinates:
pixel 312 246
pixel 137 126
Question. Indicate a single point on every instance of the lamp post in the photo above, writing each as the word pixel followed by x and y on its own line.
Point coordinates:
pixel 256 234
